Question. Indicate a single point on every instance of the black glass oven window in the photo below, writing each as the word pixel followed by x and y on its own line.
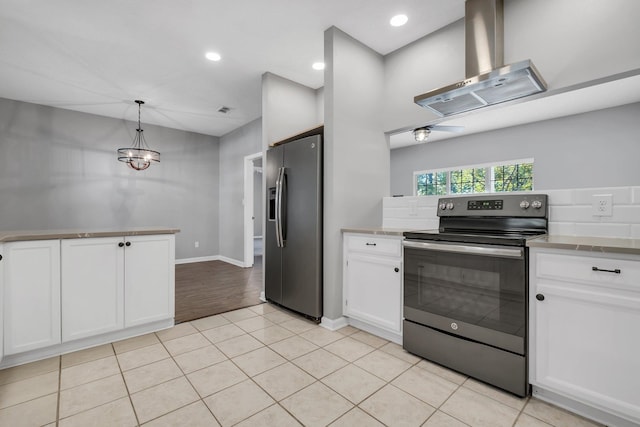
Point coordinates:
pixel 480 290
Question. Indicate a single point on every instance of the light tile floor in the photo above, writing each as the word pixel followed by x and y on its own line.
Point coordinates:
pixel 258 366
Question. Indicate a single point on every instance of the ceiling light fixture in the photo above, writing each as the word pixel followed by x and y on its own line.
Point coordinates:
pixel 318 66
pixel 398 20
pixel 213 56
pixel 421 134
pixel 139 156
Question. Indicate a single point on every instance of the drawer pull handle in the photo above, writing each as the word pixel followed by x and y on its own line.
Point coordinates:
pixel 616 271
pixel 371 244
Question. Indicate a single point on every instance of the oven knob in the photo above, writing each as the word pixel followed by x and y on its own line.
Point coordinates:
pixel 449 205
pixel 524 204
pixel 443 206
pixel 536 204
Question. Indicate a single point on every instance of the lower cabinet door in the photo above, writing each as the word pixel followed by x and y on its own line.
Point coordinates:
pixel 587 345
pixel 149 279
pixel 92 286
pixel 374 291
pixel 31 295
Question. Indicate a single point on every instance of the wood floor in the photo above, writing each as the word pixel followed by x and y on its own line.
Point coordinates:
pixel 212 287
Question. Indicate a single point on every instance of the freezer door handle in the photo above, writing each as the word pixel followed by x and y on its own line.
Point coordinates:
pixel 279 212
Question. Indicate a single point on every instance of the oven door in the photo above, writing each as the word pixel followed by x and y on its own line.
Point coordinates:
pixel 478 292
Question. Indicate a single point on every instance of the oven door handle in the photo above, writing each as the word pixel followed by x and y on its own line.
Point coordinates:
pixel 464 249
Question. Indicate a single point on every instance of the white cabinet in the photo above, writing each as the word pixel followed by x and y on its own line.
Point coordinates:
pixel 31 295
pixel 114 283
pixel 372 281
pixel 149 291
pixel 585 332
pixel 92 286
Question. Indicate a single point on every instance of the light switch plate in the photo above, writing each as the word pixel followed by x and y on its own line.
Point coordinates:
pixel 602 205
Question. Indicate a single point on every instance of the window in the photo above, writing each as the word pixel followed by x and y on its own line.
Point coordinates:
pixel 516 175
pixel 432 184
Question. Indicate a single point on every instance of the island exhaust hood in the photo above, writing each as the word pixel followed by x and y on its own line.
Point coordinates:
pixel 488 81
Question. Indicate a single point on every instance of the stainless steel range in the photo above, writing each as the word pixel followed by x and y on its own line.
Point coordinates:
pixel 466 286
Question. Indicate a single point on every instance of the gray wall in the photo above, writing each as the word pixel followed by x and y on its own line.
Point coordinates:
pixel 234 146
pixel 58 169
pixel 569 41
pixel 596 149
pixel 288 108
pixel 356 172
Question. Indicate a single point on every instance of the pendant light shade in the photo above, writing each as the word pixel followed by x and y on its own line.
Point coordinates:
pixel 139 156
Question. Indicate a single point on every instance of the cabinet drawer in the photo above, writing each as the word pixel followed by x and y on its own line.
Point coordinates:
pixel 374 245
pixel 581 269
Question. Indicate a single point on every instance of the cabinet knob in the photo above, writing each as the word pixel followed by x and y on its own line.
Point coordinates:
pixel 396 269
pixel 121 244
pixel 0 257
pixel 128 243
pixel 540 297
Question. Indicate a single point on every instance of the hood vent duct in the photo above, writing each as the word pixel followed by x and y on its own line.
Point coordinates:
pixel 488 81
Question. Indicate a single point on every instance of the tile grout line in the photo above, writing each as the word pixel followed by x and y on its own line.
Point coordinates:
pixel 515 422
pixel 287 360
pixel 184 375
pixel 126 386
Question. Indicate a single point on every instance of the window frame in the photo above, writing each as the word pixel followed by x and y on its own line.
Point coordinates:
pixel 488 176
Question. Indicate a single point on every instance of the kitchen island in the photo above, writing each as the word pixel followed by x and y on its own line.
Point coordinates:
pixel 65 290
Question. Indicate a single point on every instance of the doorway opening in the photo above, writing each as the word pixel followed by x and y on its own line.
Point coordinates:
pixel 253 210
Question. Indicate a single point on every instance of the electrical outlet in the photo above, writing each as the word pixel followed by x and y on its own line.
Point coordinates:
pixel 197 244
pixel 602 205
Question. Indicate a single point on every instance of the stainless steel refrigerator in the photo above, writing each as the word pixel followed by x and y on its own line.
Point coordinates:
pixel 293 234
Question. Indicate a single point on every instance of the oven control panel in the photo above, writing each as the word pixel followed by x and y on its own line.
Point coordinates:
pixel 510 205
pixel 484 205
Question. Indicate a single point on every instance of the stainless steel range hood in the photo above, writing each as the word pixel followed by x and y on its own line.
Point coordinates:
pixel 488 81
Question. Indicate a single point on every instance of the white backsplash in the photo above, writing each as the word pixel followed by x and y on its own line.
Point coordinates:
pixel 570 212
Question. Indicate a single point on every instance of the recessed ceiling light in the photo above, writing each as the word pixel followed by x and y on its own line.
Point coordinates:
pixel 398 20
pixel 213 56
pixel 318 66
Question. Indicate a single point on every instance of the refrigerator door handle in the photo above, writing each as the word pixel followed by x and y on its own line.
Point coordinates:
pixel 279 189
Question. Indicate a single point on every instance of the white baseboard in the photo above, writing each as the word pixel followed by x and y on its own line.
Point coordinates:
pixel 263 298
pixel 374 330
pixel 232 261
pixel 333 324
pixel 591 412
pixel 212 258
pixel 198 259
pixel 80 344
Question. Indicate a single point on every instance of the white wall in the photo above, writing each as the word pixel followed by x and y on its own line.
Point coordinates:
pixel 59 170
pixel 234 146
pixel 569 41
pixel 356 151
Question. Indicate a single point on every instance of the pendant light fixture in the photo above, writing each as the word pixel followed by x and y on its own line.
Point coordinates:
pixel 139 156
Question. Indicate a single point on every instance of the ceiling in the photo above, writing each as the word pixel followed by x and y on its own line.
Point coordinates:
pixel 99 56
